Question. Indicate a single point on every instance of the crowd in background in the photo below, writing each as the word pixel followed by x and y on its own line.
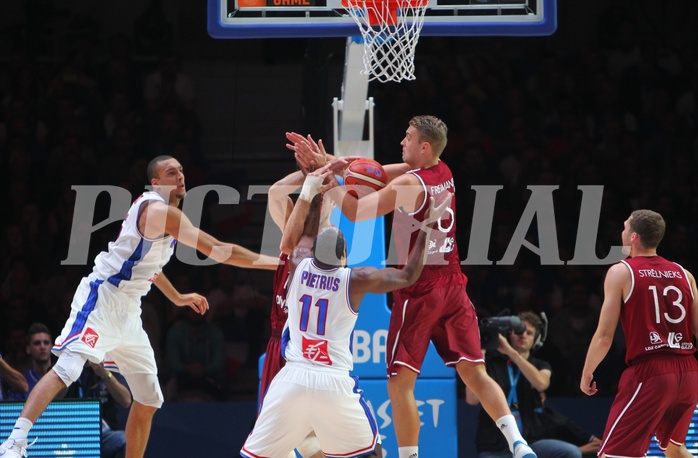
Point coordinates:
pixel 621 113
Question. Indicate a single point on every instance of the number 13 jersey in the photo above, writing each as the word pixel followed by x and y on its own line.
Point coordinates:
pixel 657 309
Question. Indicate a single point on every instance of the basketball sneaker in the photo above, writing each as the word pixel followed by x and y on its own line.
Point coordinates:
pixel 522 450
pixel 13 449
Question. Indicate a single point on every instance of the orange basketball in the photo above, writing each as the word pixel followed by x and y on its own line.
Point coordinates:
pixel 364 176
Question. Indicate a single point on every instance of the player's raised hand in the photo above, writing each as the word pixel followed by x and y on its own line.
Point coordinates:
pixel 309 154
pixel 327 174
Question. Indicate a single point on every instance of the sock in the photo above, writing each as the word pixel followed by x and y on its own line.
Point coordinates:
pixel 507 425
pixel 21 429
pixel 309 447
pixel 408 452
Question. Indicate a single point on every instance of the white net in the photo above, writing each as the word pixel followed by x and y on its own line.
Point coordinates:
pixel 390 31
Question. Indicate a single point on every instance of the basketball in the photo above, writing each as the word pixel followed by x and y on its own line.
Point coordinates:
pixel 364 176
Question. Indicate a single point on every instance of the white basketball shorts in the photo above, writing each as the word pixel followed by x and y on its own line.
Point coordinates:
pixel 302 399
pixel 105 325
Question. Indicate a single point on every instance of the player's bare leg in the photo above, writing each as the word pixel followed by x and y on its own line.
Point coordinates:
pixel 677 451
pixel 138 425
pixel 487 390
pixel 41 396
pixel 495 404
pixel 404 405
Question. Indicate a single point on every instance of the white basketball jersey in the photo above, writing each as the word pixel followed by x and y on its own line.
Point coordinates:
pixel 132 261
pixel 320 318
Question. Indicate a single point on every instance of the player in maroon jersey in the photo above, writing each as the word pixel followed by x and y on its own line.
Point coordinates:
pixel 436 308
pixel 280 208
pixel 657 303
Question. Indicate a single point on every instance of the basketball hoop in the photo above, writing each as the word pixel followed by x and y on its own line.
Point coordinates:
pixel 390 31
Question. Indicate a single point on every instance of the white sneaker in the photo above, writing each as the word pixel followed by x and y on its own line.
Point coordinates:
pixel 522 450
pixel 13 449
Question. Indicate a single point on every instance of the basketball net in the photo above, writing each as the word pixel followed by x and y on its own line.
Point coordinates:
pixel 390 31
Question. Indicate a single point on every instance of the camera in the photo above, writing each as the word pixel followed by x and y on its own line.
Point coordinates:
pixel 490 328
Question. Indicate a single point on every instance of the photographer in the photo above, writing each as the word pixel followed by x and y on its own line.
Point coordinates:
pixel 523 379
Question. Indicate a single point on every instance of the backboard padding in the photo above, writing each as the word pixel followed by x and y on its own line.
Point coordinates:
pixel 328 18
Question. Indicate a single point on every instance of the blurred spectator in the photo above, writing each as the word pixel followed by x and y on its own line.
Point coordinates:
pixel 195 357
pixel 15 345
pixel 571 330
pixel 11 381
pixel 168 86
pixel 39 343
pixel 240 311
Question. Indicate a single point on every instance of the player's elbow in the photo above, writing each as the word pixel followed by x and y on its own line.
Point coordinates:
pixel 286 247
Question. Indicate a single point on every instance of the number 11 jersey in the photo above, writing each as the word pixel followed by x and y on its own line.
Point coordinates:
pixel 320 317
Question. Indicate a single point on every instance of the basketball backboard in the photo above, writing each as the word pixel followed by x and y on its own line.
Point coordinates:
pixel 328 18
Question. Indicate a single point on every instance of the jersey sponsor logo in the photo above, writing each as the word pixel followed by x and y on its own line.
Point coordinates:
pixel 90 337
pixel 281 302
pixel 447 247
pixel 317 351
pixel 674 339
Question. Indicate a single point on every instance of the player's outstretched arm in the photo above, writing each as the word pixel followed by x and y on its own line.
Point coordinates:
pixel 280 203
pixel 308 152
pixel 404 192
pixel 312 186
pixel 159 218
pixel 311 226
pixel 372 280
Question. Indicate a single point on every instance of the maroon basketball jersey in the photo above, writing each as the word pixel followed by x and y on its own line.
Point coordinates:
pixel 656 315
pixel 279 311
pixel 442 252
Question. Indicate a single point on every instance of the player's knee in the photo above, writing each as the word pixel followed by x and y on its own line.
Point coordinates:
pixel 145 389
pixel 69 366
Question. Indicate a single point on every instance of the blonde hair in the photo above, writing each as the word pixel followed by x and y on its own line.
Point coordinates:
pixel 432 130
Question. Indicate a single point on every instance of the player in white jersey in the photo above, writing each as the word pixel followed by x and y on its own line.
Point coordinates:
pixel 105 323
pixel 314 390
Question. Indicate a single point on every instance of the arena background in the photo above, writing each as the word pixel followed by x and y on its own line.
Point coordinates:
pixel 610 99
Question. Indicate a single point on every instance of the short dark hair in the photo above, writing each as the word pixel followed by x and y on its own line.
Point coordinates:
pixel 649 225
pixel 36 328
pixel 432 130
pixel 153 165
pixel 329 247
pixel 534 319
